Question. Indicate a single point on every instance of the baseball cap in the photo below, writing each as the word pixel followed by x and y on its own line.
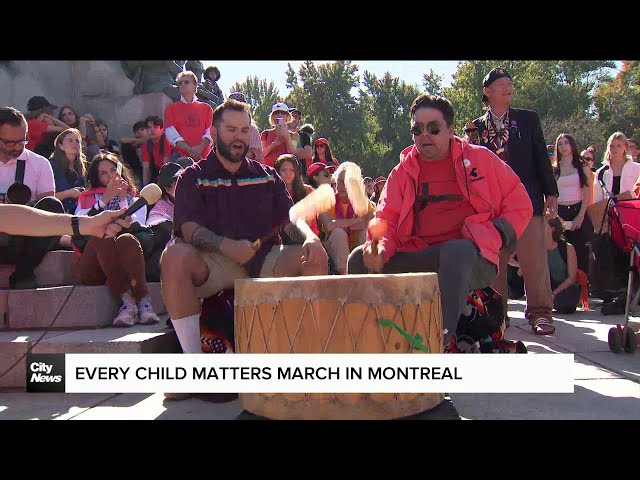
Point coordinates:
pixel 280 107
pixel 167 173
pixel 317 167
pixel 36 103
pixel 321 141
pixel 491 77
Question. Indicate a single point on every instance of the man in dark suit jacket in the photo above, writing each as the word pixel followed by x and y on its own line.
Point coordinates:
pixel 515 135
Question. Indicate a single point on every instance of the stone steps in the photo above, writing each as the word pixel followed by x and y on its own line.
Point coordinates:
pixel 137 339
pixel 86 307
pixel 57 268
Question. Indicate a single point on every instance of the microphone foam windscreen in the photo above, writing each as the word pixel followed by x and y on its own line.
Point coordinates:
pixel 151 193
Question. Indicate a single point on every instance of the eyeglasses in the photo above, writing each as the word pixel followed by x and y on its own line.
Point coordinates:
pixel 14 143
pixel 432 129
pixel 184 82
pixel 587 159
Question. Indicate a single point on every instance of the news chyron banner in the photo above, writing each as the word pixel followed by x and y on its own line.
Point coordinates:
pixel 295 373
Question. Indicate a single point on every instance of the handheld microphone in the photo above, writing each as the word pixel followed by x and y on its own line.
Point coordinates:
pixel 148 196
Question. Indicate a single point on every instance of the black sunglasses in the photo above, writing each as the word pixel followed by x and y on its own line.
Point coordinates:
pixel 431 129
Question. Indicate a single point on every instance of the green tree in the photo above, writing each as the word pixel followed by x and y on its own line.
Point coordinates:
pixel 389 100
pixel 617 101
pixel 324 94
pixel 261 96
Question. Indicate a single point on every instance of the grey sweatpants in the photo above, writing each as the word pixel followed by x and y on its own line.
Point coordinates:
pixel 459 266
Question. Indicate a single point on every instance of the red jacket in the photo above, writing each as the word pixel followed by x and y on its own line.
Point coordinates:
pixel 489 184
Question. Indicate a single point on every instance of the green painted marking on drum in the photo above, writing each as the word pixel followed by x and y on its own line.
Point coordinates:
pixel 416 342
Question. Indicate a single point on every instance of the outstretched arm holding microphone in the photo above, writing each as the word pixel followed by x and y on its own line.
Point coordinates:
pixel 28 221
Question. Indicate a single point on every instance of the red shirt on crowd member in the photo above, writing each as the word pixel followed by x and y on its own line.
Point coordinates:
pixel 189 122
pixel 159 158
pixel 440 197
pixel 37 129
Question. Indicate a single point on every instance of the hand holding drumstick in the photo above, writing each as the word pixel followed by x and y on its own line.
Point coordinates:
pixel 373 254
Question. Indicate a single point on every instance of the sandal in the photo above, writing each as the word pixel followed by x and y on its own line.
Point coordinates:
pixel 543 326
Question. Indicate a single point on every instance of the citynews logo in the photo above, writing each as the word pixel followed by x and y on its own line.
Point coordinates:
pixel 45 372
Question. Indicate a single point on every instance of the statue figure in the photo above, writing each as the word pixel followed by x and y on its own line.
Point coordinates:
pixel 152 75
pixel 159 76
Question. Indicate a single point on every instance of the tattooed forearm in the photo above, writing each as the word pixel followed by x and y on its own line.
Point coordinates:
pixel 205 240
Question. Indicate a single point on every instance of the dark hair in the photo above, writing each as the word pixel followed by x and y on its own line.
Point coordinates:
pixel 327 155
pixel 299 192
pixel 138 125
pixel 157 121
pixel 214 71
pixel 94 178
pixel 229 104
pixel 576 160
pixel 65 107
pixel 433 101
pixel 11 116
pixel 557 229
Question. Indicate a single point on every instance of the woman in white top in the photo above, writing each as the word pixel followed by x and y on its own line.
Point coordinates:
pixel 118 261
pixel 574 186
pixel 619 172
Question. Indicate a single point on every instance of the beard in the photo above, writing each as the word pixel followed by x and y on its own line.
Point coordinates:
pixel 224 149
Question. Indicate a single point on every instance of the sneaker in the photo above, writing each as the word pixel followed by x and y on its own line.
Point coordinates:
pixel 146 314
pixel 127 314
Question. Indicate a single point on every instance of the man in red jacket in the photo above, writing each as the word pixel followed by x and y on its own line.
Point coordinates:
pixel 450 208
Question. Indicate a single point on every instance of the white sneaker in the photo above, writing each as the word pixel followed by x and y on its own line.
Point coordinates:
pixel 145 312
pixel 127 314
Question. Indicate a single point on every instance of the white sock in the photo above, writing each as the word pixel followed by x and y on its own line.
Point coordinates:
pixel 188 331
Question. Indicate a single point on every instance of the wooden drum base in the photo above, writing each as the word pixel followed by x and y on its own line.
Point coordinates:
pixel 338 314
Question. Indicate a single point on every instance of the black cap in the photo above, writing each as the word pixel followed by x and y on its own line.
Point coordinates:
pixel 168 173
pixel 36 103
pixel 491 77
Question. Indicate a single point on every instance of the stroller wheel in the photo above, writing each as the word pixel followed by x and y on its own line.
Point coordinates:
pixel 615 340
pixel 630 341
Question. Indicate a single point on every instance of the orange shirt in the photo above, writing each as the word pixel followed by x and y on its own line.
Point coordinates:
pixel 440 207
pixel 191 120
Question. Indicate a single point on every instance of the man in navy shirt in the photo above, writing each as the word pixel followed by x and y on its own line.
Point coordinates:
pixel 228 211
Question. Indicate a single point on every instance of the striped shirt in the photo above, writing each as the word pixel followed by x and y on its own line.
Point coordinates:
pixel 251 204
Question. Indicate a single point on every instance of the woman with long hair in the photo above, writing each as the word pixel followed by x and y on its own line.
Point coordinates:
pixel 563 268
pixel 68 163
pixel 322 153
pixel 288 168
pixel 619 172
pixel 574 186
pixel 118 262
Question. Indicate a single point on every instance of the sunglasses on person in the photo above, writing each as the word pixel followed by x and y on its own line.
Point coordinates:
pixel 184 82
pixel 587 159
pixel 432 129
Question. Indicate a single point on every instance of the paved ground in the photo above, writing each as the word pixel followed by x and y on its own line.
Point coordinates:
pixel 607 386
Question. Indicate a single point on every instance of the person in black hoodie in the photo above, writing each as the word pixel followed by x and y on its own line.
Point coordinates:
pixel 515 135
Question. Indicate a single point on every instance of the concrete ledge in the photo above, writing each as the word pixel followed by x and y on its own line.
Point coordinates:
pixel 87 307
pixel 57 268
pixel 91 307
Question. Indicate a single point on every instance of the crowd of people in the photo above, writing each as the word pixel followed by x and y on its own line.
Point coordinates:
pixel 492 206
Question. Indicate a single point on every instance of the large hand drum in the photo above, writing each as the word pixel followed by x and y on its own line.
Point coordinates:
pixel 338 314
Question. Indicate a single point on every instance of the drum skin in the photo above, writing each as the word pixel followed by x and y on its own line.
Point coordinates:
pixel 337 314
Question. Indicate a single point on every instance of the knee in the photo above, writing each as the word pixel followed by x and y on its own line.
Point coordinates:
pixel 174 259
pixel 355 262
pixel 128 241
pixel 460 252
pixel 50 204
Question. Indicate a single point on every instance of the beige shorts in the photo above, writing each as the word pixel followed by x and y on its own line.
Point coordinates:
pixel 223 271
